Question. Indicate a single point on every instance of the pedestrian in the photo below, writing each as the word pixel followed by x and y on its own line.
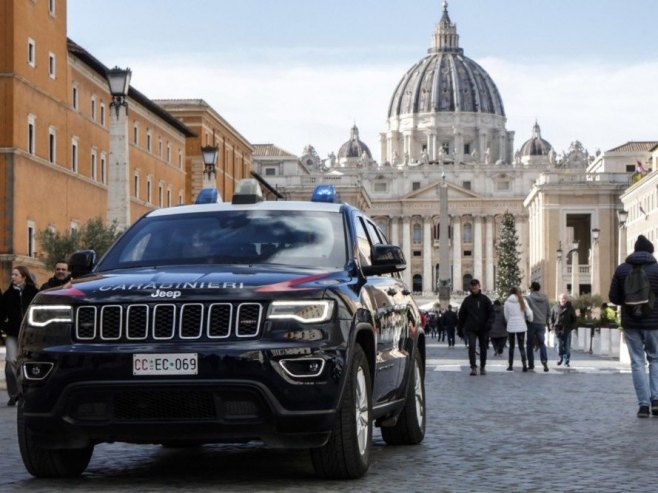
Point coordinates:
pixel 15 301
pixel 476 316
pixel 450 320
pixel 517 314
pixel 60 277
pixel 432 322
pixel 640 333
pixel 498 333
pixel 541 309
pixel 440 327
pixel 563 321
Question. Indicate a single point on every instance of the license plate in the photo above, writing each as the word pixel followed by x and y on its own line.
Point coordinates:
pixel 166 364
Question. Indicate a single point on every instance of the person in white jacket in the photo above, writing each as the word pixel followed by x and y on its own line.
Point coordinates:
pixel 517 313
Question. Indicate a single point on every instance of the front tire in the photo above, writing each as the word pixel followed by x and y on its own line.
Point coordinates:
pixel 410 426
pixel 49 463
pixel 347 453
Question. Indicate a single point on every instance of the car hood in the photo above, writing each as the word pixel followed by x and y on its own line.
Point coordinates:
pixel 194 283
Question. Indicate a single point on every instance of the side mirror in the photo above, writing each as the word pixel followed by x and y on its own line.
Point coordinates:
pixel 385 259
pixel 82 262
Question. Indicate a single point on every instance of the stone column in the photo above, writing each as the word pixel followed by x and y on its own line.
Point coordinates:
pixel 457 255
pixel 489 252
pixel 575 275
pixel 118 185
pixel 427 254
pixel 395 230
pixel 406 249
pixel 477 252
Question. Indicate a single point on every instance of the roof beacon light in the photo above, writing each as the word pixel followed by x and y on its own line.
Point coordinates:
pixel 209 196
pixel 248 192
pixel 325 193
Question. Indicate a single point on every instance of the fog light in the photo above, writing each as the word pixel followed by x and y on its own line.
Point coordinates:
pixel 37 370
pixel 303 367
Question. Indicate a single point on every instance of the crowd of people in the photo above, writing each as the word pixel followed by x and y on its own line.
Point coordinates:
pixel 14 302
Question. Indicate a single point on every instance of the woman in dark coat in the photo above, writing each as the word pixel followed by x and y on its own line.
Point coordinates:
pixel 563 321
pixel 15 301
pixel 498 332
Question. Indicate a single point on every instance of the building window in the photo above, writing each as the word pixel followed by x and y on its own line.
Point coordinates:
pixel 31 134
pixel 136 134
pixel 415 186
pixel 148 190
pixel 136 186
pixel 52 145
pixel 180 159
pixel 93 165
pixel 180 198
pixel 381 186
pixel 270 171
pixel 467 149
pixel 160 196
pixel 31 231
pixel 503 185
pixel 446 148
pixel 74 96
pixel 51 7
pixel 466 185
pixel 630 168
pixel 93 108
pixel 74 155
pixel 468 233
pixel 417 253
pixel 159 147
pixel 103 168
pixel 168 198
pixel 467 253
pixel 31 52
pixel 52 65
pixel 148 141
pixel 103 114
pixel 168 153
pixel 417 235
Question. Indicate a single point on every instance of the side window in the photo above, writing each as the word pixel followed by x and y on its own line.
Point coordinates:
pixel 363 242
pixel 374 233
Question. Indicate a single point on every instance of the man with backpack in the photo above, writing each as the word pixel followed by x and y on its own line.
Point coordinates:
pixel 634 287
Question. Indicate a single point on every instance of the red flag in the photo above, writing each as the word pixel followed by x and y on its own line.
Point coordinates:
pixel 639 168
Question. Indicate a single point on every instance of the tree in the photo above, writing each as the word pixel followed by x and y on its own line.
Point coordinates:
pixel 508 274
pixel 93 235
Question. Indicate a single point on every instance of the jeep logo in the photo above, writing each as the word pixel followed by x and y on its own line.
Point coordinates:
pixel 165 294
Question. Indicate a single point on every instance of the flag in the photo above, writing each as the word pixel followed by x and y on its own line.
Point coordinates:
pixel 639 168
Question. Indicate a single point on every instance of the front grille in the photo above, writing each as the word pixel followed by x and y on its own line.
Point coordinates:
pixel 167 321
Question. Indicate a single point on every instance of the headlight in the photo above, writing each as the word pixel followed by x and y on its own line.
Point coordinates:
pixel 306 312
pixel 42 315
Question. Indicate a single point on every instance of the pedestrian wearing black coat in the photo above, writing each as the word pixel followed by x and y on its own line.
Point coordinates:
pixel 476 315
pixel 15 301
pixel 640 334
pixel 563 320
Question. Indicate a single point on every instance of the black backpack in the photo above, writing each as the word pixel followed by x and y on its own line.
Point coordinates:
pixel 638 295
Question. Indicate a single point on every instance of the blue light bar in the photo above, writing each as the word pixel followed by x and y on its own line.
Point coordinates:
pixel 208 196
pixel 325 193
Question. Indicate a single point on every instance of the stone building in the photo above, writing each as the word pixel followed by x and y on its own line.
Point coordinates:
pixel 446 125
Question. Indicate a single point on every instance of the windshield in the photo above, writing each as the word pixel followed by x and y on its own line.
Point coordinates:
pixel 307 239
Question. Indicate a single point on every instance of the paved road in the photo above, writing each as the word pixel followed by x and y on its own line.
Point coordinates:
pixel 565 430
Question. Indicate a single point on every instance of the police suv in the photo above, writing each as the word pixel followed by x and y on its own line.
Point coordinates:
pixel 278 322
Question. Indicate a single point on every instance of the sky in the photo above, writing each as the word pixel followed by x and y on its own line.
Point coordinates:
pixel 300 72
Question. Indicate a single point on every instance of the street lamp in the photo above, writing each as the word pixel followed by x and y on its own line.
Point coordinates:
pixel 622 216
pixel 209 154
pixel 558 269
pixel 119 81
pixel 594 268
pixel 575 291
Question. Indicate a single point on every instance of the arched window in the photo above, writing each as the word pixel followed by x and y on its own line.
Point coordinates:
pixel 437 231
pixel 417 283
pixel 467 282
pixel 468 233
pixel 417 235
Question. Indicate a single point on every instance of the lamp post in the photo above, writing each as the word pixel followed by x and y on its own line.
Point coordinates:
pixel 558 269
pixel 209 154
pixel 594 268
pixel 575 275
pixel 622 215
pixel 118 187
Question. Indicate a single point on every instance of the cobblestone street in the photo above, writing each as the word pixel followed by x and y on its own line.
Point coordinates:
pixel 566 430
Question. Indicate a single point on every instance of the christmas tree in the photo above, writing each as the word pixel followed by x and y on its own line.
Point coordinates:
pixel 508 274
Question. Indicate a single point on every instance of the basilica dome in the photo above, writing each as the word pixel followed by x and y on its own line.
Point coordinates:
pixel 354 148
pixel 445 80
pixel 535 146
